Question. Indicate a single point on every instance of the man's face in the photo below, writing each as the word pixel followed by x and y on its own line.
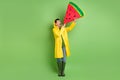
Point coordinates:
pixel 58 23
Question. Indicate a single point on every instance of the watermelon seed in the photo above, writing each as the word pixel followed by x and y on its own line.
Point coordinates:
pixel 74 15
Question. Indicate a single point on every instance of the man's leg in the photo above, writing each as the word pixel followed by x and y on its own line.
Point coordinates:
pixel 63 61
pixel 59 63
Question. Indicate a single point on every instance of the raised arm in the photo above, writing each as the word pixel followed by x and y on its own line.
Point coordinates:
pixel 70 27
pixel 57 32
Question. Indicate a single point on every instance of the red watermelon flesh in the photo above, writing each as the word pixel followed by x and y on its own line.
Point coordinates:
pixel 71 14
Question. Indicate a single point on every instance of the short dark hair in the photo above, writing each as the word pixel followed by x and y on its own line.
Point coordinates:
pixel 56 20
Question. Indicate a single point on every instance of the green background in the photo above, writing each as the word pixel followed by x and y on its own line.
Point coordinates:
pixel 27 42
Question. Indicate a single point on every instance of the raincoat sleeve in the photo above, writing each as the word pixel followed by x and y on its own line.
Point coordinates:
pixel 70 27
pixel 58 32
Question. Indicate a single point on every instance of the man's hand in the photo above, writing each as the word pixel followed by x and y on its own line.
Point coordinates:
pixel 64 25
pixel 74 20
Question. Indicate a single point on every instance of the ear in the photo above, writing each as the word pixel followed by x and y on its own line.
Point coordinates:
pixel 55 24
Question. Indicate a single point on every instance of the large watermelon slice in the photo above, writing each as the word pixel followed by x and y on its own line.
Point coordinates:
pixel 73 12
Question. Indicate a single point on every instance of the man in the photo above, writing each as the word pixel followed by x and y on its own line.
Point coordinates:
pixel 61 44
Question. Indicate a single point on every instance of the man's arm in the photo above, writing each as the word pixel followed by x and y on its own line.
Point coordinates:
pixel 71 26
pixel 58 32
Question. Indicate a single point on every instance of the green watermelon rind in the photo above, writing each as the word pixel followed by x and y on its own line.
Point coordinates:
pixel 77 9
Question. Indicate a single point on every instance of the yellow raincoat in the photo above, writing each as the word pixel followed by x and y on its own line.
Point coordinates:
pixel 58 35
